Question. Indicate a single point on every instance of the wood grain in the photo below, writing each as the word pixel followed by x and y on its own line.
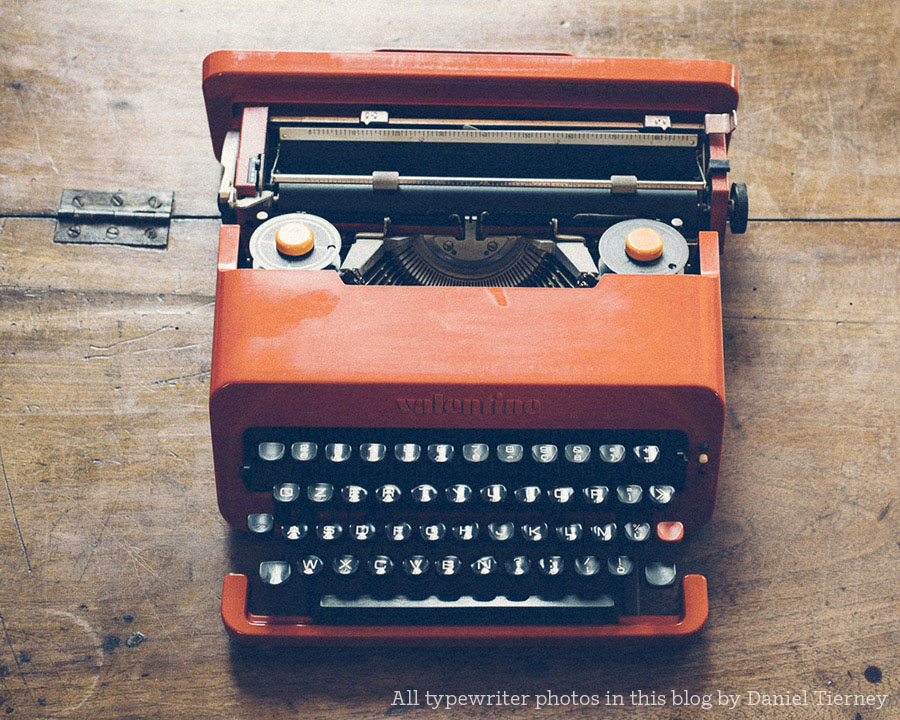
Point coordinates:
pixel 109 96
pixel 109 600
pixel 106 451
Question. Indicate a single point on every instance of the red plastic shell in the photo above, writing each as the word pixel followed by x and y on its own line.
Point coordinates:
pixel 294 348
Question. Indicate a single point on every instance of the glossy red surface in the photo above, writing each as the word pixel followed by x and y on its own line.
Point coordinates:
pixel 233 79
pixel 304 349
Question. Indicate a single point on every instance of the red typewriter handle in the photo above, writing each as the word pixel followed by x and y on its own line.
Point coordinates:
pixel 444 51
pixel 266 630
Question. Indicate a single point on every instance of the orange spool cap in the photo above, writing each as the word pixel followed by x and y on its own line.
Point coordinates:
pixel 644 244
pixel 295 239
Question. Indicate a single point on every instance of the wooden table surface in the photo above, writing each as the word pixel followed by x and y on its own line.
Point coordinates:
pixel 110 526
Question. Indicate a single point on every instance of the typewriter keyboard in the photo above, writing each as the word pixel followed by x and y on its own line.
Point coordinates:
pixel 464 526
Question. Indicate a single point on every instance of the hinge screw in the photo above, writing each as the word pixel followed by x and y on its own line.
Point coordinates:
pixel 78 201
pixel 154 202
pixel 117 200
pixel 74 231
pixel 150 233
pixel 112 231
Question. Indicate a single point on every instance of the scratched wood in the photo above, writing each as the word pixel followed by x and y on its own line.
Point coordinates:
pixel 104 355
pixel 111 548
pixel 109 96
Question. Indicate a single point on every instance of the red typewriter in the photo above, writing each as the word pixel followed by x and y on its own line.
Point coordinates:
pixel 467 377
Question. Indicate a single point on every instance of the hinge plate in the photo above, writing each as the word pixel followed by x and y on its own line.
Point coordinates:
pixel 123 217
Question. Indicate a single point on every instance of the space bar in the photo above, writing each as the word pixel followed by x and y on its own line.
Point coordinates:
pixel 568 610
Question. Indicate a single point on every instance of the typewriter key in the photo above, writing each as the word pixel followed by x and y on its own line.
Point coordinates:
pixel 612 453
pixel 320 492
pixel 448 566
pixel 561 495
pixel 459 493
pixel 517 566
pixel 605 532
pixel 475 452
pixel 493 493
pixel 509 453
pixel 387 493
pixel 271 451
pixel 440 453
pixel 362 531
pixel 353 494
pixel 345 565
pixel 578 453
pixel 629 494
pixel 486 565
pixel 661 494
pixel 424 493
pixel 433 532
pixel 552 565
pixel 274 572
pixel 338 452
pixel 544 453
pixel 415 565
pixel 310 565
pixel 398 532
pixel 465 531
pixel 528 494
pixel 620 566
pixel 294 533
pixel 670 531
pixel 372 452
pixel 501 531
pixel 637 532
pixel 660 574
pixel 329 531
pixel 304 451
pixel 569 533
pixel 587 565
pixel 260 523
pixel 595 494
pixel 534 532
pixel 380 565
pixel 407 452
pixel 646 453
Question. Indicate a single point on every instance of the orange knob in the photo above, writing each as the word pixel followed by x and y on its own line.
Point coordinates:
pixel 644 244
pixel 294 239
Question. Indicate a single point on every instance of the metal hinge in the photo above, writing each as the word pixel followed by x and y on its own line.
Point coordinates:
pixel 114 218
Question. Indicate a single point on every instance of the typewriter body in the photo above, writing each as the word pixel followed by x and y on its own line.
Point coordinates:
pixel 467 379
